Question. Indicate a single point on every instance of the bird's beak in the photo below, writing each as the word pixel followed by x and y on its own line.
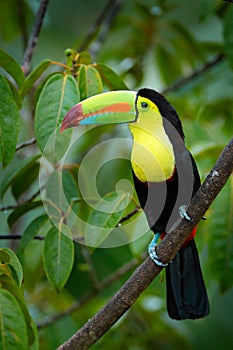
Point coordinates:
pixel 107 108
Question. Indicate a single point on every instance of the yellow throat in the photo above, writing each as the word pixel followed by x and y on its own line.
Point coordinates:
pixel 152 154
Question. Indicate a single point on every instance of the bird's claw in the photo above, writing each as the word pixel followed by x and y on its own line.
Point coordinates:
pixel 152 252
pixel 183 213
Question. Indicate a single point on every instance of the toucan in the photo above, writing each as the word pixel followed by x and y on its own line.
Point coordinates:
pixel 165 177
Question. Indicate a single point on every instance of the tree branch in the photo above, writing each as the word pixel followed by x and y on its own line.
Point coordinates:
pixel 106 282
pixel 106 26
pixel 147 271
pixel 15 206
pixel 30 142
pixel 34 36
pixel 19 236
pixel 180 82
pixel 200 203
pixel 97 24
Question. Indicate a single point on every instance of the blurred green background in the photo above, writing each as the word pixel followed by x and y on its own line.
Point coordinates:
pixel 153 44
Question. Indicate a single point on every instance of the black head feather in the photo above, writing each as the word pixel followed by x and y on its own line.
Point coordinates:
pixel 166 110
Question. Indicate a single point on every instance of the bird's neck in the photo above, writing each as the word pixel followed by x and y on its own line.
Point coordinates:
pixel 152 155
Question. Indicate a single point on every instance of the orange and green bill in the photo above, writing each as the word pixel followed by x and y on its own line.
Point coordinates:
pixel 112 107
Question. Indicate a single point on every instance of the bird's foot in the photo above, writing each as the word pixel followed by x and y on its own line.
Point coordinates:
pixel 152 252
pixel 183 213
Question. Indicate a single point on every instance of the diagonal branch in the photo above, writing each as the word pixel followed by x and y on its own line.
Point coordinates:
pixel 147 271
pixel 15 206
pixel 112 5
pixel 30 142
pixel 200 203
pixel 199 72
pixel 106 27
pixel 106 282
pixel 34 36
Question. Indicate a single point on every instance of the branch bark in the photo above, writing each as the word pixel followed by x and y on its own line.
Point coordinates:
pixel 34 36
pixel 147 271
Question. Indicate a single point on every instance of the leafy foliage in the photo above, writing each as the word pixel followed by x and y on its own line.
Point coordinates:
pixel 17 330
pixel 8 63
pixel 9 126
pixel 58 95
pixel 152 43
pixel 58 256
pixel 104 218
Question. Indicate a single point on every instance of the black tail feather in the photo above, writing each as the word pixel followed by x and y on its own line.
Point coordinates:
pixel 186 292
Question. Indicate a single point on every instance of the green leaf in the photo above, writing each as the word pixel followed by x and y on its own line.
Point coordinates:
pixel 41 86
pixel 12 67
pixel 21 210
pixel 34 344
pixel 9 285
pixel 84 57
pixel 104 217
pixel 14 264
pixel 219 228
pixel 4 256
pixel 9 123
pixel 34 75
pixel 110 78
pixel 15 93
pixel 23 181
pixel 14 172
pixel 58 256
pixel 165 59
pixel 228 34
pixel 77 58
pixel 89 82
pixel 13 330
pixel 31 231
pixel 59 94
pixel 61 188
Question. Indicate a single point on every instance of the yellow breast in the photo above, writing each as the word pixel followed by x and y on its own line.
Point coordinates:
pixel 152 153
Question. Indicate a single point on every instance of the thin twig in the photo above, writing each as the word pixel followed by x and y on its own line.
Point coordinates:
pixel 147 271
pixel 30 142
pixel 5 208
pixel 15 206
pixel 106 27
pixel 91 269
pixel 130 215
pixel 87 297
pixel 34 36
pixel 19 236
pixel 94 28
pixel 180 82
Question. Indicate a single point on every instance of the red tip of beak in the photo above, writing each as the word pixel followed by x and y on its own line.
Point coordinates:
pixel 72 117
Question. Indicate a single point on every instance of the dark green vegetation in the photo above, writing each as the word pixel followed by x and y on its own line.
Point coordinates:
pixel 183 48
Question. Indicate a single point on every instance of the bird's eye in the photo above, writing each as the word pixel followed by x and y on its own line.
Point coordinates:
pixel 144 105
